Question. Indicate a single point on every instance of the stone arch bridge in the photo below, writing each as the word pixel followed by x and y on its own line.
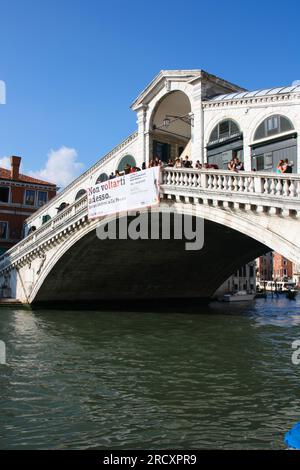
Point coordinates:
pixel 246 214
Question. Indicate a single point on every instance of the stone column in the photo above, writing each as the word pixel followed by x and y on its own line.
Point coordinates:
pixel 247 152
pixel 141 144
pixel 297 169
pixel 197 130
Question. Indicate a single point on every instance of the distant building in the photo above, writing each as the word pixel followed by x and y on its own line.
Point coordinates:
pixel 243 279
pixel 20 196
pixel 296 274
pixel 264 267
pixel 282 268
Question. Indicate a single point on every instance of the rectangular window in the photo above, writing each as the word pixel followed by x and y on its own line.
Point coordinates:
pixel 4 194
pixel 3 230
pixel 29 197
pixel 42 198
pixel 272 126
pixel 272 123
pixel 268 161
pixel 224 129
pixel 161 150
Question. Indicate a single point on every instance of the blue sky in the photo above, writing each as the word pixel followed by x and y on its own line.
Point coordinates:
pixel 73 67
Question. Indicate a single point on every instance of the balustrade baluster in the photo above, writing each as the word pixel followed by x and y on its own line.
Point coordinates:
pixel 286 188
pixel 292 189
pixel 220 182
pixel 266 186
pixel 241 184
pixel 235 183
pixel 279 188
pixel 251 187
pixel 169 178
pixel 272 186
pixel 209 182
pixel 215 182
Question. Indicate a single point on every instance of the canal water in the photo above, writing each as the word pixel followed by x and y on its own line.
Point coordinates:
pixel 220 377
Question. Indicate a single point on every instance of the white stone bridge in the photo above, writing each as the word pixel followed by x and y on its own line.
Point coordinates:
pixel 180 113
pixel 246 214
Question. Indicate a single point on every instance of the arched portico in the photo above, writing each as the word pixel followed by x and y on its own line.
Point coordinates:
pixel 170 127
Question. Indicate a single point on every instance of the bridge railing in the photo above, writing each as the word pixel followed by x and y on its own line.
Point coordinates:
pixel 78 208
pixel 267 184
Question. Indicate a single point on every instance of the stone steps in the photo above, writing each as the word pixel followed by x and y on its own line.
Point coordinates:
pixel 10 303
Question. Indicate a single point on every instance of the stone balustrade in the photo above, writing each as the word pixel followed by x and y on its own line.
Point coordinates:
pixel 266 184
pixel 224 188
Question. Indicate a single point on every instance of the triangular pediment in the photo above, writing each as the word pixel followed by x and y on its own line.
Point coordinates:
pixel 191 76
pixel 160 81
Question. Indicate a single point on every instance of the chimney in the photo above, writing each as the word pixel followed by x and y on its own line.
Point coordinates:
pixel 15 167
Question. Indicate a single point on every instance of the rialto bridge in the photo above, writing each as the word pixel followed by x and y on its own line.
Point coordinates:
pixel 245 214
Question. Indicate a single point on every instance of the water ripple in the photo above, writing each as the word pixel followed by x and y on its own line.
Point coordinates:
pixel 94 380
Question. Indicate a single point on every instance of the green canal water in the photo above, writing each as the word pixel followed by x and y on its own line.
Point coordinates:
pixel 221 377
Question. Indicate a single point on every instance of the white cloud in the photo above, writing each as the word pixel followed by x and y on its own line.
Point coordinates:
pixel 61 167
pixel 5 162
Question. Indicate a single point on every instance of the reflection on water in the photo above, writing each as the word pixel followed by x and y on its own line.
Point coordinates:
pixel 218 378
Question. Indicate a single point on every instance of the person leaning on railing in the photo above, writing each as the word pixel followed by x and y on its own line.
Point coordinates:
pixel 235 164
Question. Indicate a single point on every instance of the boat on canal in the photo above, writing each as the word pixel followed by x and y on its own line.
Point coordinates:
pixel 292 294
pixel 239 296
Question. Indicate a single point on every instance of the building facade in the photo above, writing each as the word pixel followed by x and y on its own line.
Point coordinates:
pixel 243 279
pixel 20 196
pixel 282 268
pixel 264 267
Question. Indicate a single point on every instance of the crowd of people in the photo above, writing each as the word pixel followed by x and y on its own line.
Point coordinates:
pixel 187 163
pixel 235 165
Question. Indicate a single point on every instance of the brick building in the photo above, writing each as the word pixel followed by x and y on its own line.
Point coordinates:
pixel 20 196
pixel 264 267
pixel 282 268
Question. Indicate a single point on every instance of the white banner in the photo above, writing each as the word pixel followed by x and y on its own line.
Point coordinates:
pixel 125 193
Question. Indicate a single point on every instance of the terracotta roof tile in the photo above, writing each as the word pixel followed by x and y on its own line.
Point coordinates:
pixel 6 174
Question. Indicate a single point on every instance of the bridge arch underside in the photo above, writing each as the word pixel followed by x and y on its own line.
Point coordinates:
pixel 113 271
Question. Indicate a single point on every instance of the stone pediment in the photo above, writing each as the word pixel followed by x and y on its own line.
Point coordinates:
pixel 212 84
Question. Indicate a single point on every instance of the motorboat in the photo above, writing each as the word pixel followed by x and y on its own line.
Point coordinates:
pixel 239 296
pixel 292 294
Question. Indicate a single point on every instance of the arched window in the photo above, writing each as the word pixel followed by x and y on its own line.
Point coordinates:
pixel 273 125
pixel 273 142
pixel 45 218
pixel 62 206
pixel 126 160
pixel 225 142
pixel 80 193
pixel 31 229
pixel 101 178
pixel 226 129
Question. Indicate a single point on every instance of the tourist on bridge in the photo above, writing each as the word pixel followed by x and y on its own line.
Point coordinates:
pixel 178 163
pixel 281 167
pixel 187 162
